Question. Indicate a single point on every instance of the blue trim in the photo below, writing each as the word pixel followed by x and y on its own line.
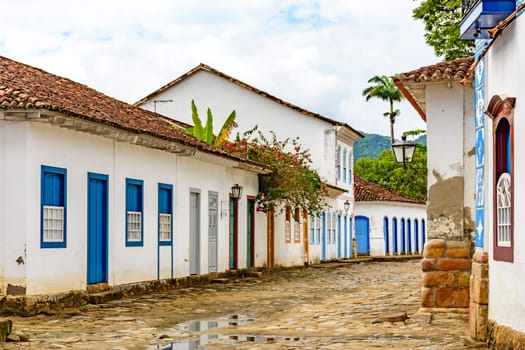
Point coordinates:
pixel 416 235
pixel 323 238
pixel 339 252
pixel 167 210
pixel 386 235
pixel 138 206
pixel 345 250
pixel 61 197
pixel 165 206
pixel 105 178
pixel 350 237
pixel 403 236
pixel 395 246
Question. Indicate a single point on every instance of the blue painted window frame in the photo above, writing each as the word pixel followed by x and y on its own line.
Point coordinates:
pixel 386 235
pixel 62 194
pixel 140 208
pixel 169 210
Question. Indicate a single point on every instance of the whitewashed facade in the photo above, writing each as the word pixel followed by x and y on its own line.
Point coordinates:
pixel 387 223
pixel 330 142
pixel 54 152
pixel 505 84
pixel 485 120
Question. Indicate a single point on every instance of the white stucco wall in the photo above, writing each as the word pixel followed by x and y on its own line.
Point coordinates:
pixel 505 75
pixel 223 96
pixel 376 211
pixel 26 145
pixel 450 163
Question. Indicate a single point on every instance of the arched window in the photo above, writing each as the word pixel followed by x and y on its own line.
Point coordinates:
pixel 501 110
pixel 403 236
pixel 409 236
pixel 416 236
pixel 385 234
pixel 394 235
pixel 423 233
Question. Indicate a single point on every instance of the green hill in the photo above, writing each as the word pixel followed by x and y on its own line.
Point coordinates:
pixel 373 144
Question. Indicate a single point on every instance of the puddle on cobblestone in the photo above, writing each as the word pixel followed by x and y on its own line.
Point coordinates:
pixel 224 322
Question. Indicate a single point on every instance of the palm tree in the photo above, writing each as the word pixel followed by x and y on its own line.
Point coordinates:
pixel 384 88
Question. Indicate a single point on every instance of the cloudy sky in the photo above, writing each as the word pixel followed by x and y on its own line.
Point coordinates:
pixel 317 54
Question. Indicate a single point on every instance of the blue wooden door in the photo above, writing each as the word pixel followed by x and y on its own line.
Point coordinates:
pixel 362 234
pixel 97 221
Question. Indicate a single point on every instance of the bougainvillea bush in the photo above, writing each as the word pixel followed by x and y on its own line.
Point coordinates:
pixel 292 182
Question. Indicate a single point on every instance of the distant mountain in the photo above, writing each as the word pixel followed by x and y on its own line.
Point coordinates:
pixel 373 144
pixel 370 146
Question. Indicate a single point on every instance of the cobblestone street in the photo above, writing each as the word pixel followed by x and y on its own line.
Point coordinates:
pixel 329 306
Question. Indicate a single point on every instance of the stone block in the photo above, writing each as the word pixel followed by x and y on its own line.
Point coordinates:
pixel 480 270
pixel 428 264
pixel 480 290
pixel 5 328
pixel 463 279
pixel 438 278
pixel 458 249
pixel 447 264
pixel 480 257
pixel 452 297
pixel 434 248
pixel 427 297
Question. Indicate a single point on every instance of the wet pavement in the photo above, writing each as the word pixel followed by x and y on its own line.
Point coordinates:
pixel 328 306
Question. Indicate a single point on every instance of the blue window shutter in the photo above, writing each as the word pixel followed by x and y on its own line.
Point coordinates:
pixel 135 202
pixel 53 192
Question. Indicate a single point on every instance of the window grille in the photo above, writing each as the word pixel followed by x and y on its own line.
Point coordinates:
pixel 53 224
pixel 504 219
pixel 134 226
pixel 296 226
pixel 165 227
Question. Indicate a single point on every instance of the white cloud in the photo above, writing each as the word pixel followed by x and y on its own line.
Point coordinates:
pixel 316 54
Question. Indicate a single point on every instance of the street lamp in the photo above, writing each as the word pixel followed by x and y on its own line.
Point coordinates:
pixel 236 191
pixel 404 150
pixel 346 206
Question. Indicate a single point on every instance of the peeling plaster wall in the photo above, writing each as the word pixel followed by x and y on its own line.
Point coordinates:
pixel 450 143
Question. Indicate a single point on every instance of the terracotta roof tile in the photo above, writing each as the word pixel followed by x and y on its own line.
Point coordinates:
pixel 366 191
pixel 454 70
pixel 26 87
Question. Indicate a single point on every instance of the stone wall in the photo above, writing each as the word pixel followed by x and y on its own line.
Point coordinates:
pixel 479 296
pixel 446 274
pixel 504 338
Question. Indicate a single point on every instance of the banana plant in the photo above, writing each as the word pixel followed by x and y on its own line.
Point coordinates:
pixel 205 133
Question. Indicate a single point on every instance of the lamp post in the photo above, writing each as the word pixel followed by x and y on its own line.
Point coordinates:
pixel 236 191
pixel 346 206
pixel 404 150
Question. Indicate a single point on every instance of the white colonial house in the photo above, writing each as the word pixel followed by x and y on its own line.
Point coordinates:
pixel 476 170
pixel 296 238
pixel 387 223
pixel 94 190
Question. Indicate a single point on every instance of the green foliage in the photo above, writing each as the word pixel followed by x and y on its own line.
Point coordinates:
pixel 442 19
pixel 383 88
pixel 385 171
pixel 205 133
pixel 292 181
pixel 414 132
